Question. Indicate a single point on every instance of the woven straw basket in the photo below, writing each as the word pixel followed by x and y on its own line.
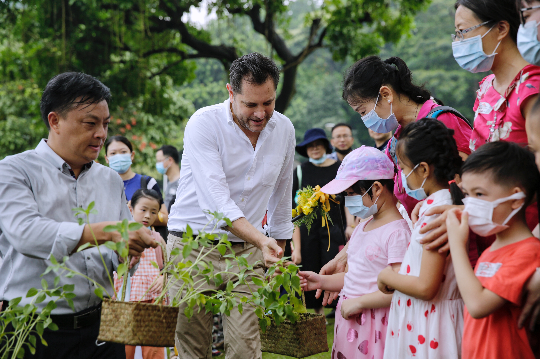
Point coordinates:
pixel 304 338
pixel 135 323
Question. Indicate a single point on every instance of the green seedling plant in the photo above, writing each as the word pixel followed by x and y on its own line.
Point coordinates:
pixel 22 326
pixel 193 276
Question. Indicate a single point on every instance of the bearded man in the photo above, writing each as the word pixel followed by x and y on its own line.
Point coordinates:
pixel 238 160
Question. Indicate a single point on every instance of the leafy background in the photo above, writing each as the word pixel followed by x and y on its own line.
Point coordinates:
pixel 153 96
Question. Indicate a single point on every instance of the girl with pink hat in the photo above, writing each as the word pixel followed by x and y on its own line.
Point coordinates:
pixel 367 176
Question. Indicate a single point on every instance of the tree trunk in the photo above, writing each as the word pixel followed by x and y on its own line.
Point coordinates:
pixel 288 89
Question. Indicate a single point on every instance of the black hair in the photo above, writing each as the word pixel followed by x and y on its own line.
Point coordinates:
pixel 145 193
pixel 365 78
pixel 341 124
pixel 170 151
pixel 122 139
pixel 494 11
pixel 362 186
pixel 254 68
pixel 71 89
pixel 509 164
pixel 429 140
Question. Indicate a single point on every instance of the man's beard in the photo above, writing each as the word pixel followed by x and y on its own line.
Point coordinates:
pixel 244 122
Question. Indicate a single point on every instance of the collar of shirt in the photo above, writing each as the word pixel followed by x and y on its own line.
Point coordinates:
pixel 44 150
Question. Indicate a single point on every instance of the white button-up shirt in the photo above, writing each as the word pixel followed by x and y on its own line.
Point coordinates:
pixel 222 172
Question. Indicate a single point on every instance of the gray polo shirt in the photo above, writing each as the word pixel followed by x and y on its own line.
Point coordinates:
pixel 170 193
pixel 37 194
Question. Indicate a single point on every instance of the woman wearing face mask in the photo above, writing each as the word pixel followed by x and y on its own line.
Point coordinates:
pixel 119 155
pixel 382 93
pixel 311 249
pixel 528 39
pixel 486 39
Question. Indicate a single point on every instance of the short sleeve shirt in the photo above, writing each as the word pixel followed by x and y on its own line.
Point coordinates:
pixel 370 252
pixel 133 184
pixel 505 272
pixel 462 135
pixel 170 193
pixel 499 117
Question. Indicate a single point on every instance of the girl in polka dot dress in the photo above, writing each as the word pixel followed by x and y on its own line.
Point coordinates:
pixel 366 174
pixel 426 313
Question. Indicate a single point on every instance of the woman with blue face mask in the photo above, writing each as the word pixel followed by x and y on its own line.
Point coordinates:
pixel 310 248
pixel 528 39
pixel 119 155
pixel 383 93
pixel 486 39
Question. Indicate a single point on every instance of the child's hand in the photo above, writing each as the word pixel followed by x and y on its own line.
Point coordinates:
pixel 457 224
pixel 296 257
pixel 351 308
pixel 310 280
pixel 380 280
pixel 157 287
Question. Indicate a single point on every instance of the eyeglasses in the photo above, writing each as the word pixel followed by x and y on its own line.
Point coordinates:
pixel 458 36
pixel 341 137
pixel 522 10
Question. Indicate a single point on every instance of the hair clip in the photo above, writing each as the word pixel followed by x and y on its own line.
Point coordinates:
pixel 452 181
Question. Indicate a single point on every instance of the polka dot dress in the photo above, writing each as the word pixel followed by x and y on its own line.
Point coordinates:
pixel 418 328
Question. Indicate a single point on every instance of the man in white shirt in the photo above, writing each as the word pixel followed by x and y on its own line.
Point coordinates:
pixel 238 160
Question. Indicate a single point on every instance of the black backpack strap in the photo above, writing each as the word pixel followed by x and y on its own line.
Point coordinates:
pixel 144 181
pixel 447 109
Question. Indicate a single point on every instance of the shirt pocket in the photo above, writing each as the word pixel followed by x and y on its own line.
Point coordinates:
pixel 271 168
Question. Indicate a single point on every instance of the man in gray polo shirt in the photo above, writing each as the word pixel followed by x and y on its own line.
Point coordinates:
pixel 38 189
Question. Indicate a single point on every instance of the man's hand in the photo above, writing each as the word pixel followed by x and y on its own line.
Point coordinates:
pixel 138 241
pixel 272 252
pixel 336 265
pixel 531 309
pixel 310 280
pixel 438 238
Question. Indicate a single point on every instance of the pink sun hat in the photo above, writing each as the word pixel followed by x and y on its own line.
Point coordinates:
pixel 364 163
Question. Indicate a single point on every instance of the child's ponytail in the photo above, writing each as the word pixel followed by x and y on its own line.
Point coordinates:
pixel 429 140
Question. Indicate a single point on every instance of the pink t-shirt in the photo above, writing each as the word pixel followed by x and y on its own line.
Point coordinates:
pixel 499 117
pixel 370 252
pixel 462 135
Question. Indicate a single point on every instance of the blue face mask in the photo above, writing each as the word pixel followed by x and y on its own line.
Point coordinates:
pixel 527 42
pixel 418 194
pixel 120 163
pixel 356 206
pixel 470 55
pixel 319 161
pixel 380 125
pixel 161 168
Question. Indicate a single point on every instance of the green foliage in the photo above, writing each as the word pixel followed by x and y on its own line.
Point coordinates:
pixel 21 326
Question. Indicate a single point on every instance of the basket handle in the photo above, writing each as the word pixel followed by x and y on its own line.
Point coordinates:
pixel 303 298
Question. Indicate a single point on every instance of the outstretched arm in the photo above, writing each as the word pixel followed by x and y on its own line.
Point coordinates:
pixel 312 281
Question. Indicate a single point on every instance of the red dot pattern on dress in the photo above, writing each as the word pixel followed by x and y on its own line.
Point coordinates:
pixel 410 327
pixel 384 320
pixel 409 302
pixel 426 313
pixel 434 344
pixel 433 308
pixel 399 301
pixel 408 269
pixel 429 201
pixel 423 224
pixel 412 348
pixel 421 339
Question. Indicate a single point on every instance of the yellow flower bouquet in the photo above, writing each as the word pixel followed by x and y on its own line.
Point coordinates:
pixel 311 201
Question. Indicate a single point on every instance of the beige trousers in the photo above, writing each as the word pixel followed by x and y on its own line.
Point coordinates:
pixel 194 336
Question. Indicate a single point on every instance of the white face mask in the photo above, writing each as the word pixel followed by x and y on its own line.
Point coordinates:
pixel 481 214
